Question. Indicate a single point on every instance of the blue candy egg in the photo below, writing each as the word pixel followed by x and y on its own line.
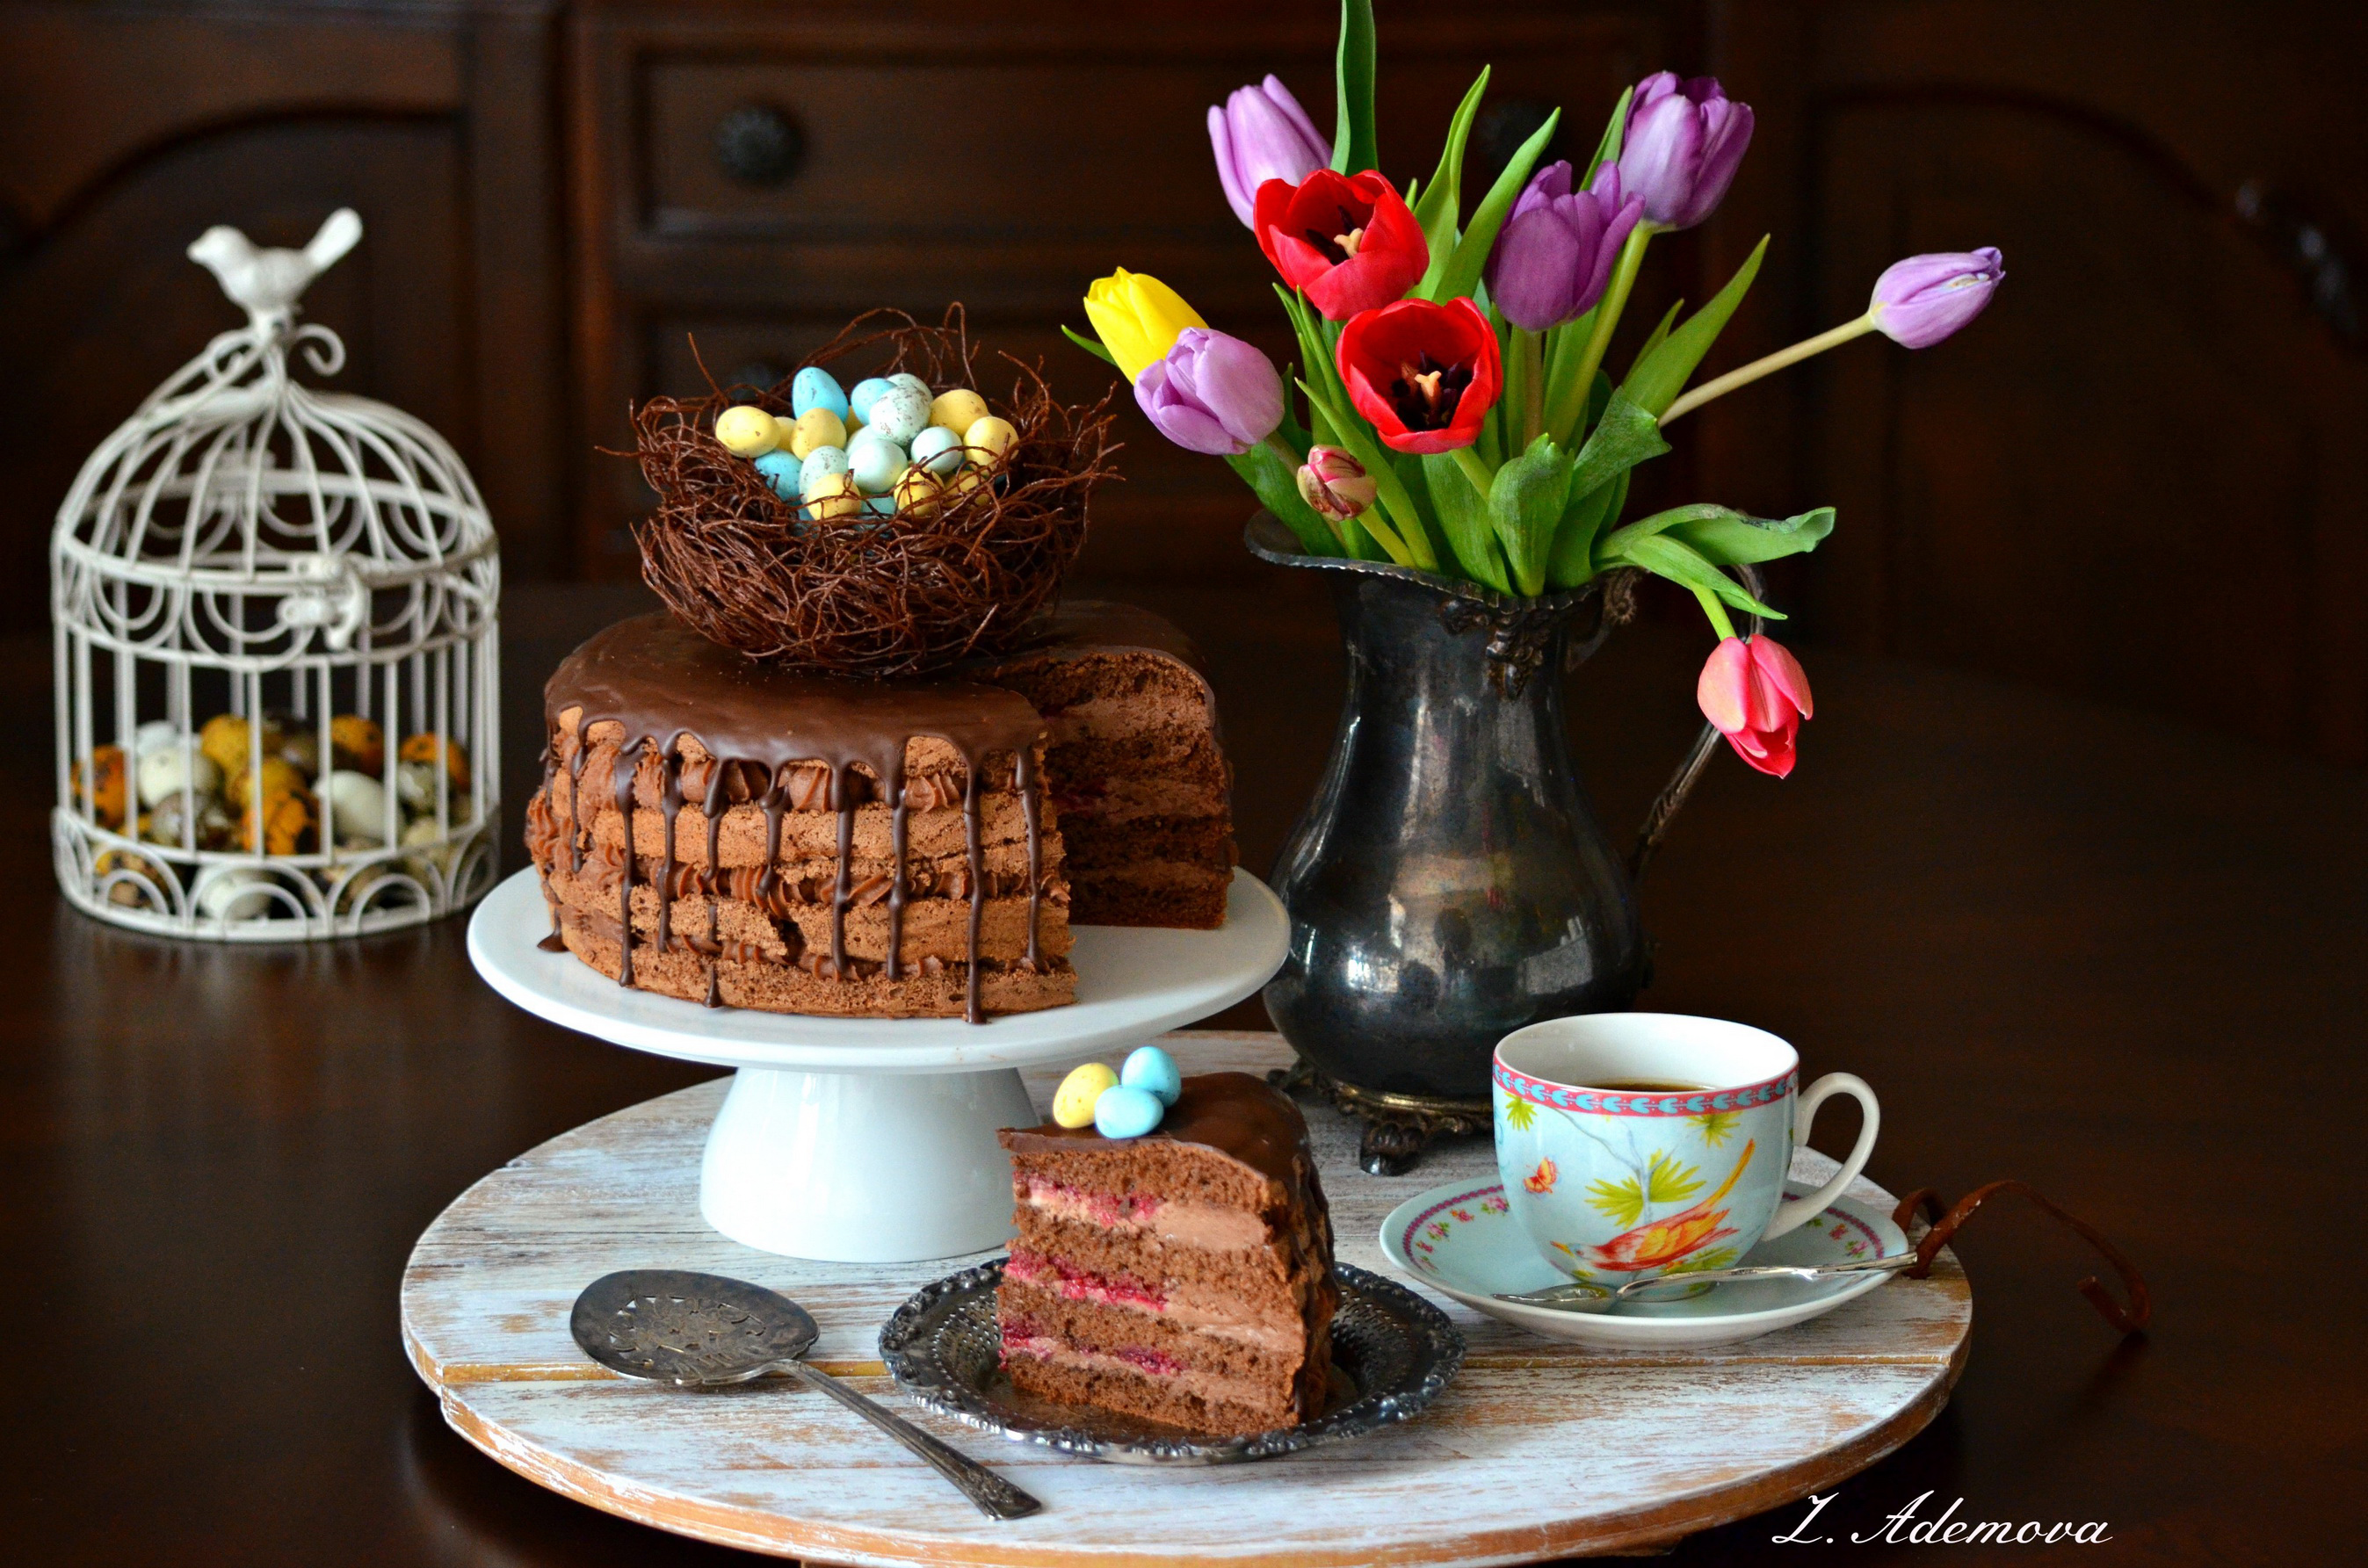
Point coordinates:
pixel 875 460
pixel 816 387
pixel 899 413
pixel 938 449
pixel 820 462
pixel 880 506
pixel 780 470
pixel 867 393
pixel 1151 1069
pixel 1124 1112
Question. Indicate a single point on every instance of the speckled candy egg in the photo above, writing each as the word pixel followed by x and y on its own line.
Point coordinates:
pixel 818 462
pixel 867 393
pixel 1073 1103
pixel 899 413
pixel 917 491
pixel 875 460
pixel 992 436
pixel 781 470
pixel 163 772
pixel 746 430
pixel 907 379
pixel 816 387
pixel 958 410
pixel 938 449
pixel 1123 1112
pixel 354 804
pixel 1148 1067
pixel 818 428
pixel 833 499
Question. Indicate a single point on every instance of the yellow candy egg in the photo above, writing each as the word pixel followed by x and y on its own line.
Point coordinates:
pixel 1072 1106
pixel 964 483
pixel 917 490
pixel 816 428
pixel 991 435
pixel 835 498
pixel 786 428
pixel 958 410
pixel 747 431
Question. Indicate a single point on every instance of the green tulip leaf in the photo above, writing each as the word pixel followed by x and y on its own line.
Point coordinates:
pixel 1662 522
pixel 1660 376
pixel 1441 201
pixel 1572 560
pixel 1462 274
pixel 1664 557
pixel 1624 436
pixel 1608 150
pixel 1092 346
pixel 1525 507
pixel 1734 539
pixel 1463 518
pixel 1353 145
pixel 1659 335
pixel 1277 486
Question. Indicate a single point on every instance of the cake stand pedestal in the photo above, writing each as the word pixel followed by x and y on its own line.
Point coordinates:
pixel 872 1139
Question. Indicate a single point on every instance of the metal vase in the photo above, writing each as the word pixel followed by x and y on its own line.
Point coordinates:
pixel 1449 884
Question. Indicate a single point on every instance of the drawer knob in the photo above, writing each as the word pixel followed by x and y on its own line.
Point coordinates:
pixel 757 145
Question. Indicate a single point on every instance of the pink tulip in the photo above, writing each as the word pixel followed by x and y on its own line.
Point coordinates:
pixel 1756 694
pixel 1924 298
pixel 1335 484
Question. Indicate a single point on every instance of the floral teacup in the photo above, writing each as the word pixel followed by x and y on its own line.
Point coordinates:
pixel 1634 1145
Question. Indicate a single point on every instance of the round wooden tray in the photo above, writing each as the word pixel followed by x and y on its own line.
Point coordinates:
pixel 1538 1450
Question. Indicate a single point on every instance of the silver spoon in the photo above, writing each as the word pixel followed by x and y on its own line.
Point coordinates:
pixel 1581 1297
pixel 705 1330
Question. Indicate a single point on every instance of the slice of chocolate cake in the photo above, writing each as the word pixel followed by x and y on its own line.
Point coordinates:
pixel 1132 758
pixel 1184 1277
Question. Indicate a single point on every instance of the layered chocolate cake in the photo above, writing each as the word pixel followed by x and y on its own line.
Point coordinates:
pixel 1183 1277
pixel 812 844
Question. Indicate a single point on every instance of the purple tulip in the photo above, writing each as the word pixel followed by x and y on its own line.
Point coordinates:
pixel 1924 298
pixel 1681 148
pixel 1263 135
pixel 1211 393
pixel 1556 251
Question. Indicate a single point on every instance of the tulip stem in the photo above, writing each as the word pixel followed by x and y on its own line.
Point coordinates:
pixel 1529 372
pixel 1475 469
pixel 1562 418
pixel 1717 613
pixel 1769 365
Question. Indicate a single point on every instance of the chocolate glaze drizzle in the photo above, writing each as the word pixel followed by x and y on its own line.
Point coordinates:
pixel 1235 1113
pixel 663 683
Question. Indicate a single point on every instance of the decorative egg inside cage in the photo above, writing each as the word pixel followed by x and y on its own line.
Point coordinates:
pixel 275 644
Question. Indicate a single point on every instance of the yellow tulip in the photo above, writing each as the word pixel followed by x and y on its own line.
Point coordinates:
pixel 1138 318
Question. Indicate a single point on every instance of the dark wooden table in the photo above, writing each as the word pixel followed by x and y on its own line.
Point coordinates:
pixel 2116 956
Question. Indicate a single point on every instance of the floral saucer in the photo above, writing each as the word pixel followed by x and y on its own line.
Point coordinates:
pixel 1462 1241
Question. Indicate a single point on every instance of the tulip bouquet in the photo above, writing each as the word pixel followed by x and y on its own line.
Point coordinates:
pixel 1454 410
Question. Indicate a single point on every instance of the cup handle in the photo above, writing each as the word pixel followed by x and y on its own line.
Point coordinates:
pixel 1795 1212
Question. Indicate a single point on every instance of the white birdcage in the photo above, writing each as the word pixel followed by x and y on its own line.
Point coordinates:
pixel 248 579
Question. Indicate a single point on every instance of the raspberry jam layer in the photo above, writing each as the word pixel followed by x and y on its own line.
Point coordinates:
pixel 1080 1285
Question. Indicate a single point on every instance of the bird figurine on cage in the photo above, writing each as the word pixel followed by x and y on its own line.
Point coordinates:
pixel 276 626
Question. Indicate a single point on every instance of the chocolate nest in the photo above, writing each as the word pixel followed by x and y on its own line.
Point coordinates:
pixel 871 596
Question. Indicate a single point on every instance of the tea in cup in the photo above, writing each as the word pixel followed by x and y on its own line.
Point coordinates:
pixel 1635 1145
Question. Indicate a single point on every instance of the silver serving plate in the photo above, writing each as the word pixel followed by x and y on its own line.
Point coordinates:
pixel 1391 1352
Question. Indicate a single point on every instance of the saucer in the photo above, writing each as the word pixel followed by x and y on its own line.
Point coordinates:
pixel 1462 1241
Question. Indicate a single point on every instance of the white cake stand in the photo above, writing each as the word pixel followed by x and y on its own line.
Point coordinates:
pixel 872 1139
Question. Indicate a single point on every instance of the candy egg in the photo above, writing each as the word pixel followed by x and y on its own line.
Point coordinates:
pixel 785 430
pixel 354 806
pixel 875 460
pixel 816 387
pixel 938 449
pixel 279 777
pixel 357 742
pixel 835 499
pixel 854 424
pixel 415 787
pixel 880 506
pixel 156 735
pixel 867 393
pixel 993 436
pixel 163 773
pixel 287 820
pixel 818 428
pixel 105 791
pixel 1148 1067
pixel 746 430
pixel 917 491
pixel 899 413
pixel 958 410
pixel 1073 1103
pixel 820 462
pixel 426 747
pixel 224 739
pixel 214 826
pixel 912 382
pixel 302 748
pixel 240 892
pixel 782 470
pixel 1123 1112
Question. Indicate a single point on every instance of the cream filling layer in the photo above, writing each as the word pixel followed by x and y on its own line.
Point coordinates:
pixel 1206 1225
pixel 1200 1307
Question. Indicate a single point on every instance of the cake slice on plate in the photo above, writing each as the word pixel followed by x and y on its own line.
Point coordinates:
pixel 1183 1277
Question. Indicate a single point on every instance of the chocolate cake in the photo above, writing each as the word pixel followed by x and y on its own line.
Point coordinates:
pixel 874 847
pixel 1184 1277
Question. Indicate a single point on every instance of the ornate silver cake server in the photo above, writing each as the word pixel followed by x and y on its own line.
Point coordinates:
pixel 705 1330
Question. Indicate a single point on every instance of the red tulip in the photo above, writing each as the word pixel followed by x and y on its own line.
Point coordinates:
pixel 1426 375
pixel 1756 694
pixel 1344 241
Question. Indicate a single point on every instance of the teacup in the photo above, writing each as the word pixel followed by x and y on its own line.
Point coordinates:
pixel 1637 1146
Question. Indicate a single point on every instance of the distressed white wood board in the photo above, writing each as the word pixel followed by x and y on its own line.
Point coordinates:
pixel 1539 1449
